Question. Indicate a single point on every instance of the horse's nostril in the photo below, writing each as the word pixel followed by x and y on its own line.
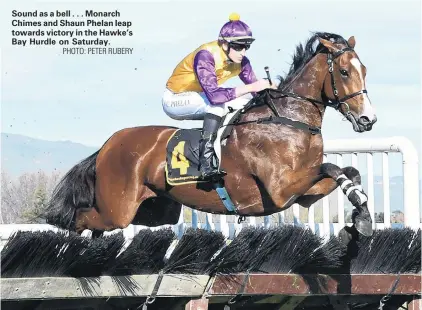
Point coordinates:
pixel 364 120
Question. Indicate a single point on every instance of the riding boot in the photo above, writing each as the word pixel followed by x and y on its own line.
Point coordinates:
pixel 206 147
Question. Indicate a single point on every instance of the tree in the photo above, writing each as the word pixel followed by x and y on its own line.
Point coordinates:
pixel 35 213
pixel 24 198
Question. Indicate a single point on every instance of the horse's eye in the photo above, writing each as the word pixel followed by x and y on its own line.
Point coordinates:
pixel 344 73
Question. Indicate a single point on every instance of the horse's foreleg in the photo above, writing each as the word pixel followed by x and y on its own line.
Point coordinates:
pixel 349 181
pixel 328 184
pixel 321 189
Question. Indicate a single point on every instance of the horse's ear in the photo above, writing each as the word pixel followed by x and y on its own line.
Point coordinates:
pixel 331 47
pixel 352 41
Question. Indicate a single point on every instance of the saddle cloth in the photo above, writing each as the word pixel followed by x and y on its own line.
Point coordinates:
pixel 182 156
pixel 182 159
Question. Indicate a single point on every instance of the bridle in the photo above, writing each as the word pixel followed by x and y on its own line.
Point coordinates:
pixel 338 102
pixel 334 103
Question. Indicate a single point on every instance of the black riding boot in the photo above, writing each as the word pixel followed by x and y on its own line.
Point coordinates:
pixel 206 147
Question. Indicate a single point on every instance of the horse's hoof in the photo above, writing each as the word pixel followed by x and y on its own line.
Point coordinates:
pixel 364 227
pixel 362 220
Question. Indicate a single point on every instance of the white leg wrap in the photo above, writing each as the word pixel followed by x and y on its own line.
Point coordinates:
pixel 345 183
pixel 349 188
pixel 354 187
pixel 363 198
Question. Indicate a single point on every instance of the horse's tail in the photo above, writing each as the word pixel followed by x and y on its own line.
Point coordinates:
pixel 76 190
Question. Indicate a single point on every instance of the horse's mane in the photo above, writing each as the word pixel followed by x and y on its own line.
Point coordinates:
pixel 304 54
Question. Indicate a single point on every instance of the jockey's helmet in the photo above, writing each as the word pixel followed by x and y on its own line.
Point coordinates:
pixel 235 31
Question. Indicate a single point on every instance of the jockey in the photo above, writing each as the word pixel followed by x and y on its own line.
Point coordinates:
pixel 194 92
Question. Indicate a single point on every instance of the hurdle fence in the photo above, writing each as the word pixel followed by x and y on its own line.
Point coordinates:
pixel 281 291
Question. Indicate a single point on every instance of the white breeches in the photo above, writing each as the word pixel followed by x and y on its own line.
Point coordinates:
pixel 193 105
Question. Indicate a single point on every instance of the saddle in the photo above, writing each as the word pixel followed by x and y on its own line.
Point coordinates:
pixel 182 156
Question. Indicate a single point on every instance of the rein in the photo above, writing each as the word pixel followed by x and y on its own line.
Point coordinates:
pixel 335 103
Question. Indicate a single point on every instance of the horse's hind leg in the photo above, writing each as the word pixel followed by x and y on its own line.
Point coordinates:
pixel 153 211
pixel 157 211
pixel 112 211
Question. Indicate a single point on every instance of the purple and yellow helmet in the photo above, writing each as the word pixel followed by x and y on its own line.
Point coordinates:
pixel 236 31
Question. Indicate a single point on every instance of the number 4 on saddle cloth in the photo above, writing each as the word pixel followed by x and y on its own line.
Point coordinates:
pixel 182 157
pixel 182 165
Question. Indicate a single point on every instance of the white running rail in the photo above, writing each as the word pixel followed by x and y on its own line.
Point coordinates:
pixel 321 217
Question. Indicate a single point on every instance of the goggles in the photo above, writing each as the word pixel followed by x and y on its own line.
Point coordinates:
pixel 239 47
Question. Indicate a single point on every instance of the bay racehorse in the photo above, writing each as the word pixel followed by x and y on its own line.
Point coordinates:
pixel 273 154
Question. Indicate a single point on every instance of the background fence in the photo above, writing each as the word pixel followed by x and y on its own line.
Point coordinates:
pixel 390 177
